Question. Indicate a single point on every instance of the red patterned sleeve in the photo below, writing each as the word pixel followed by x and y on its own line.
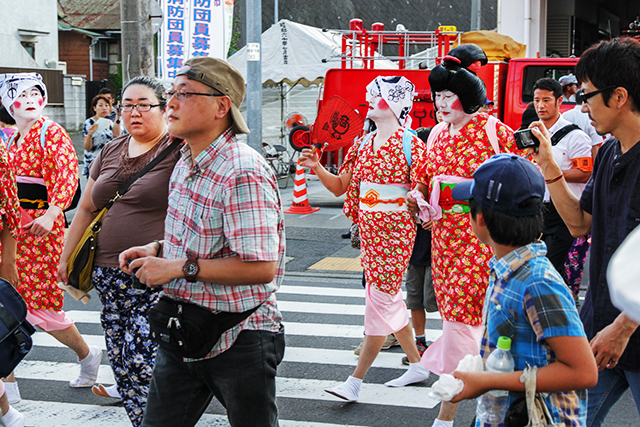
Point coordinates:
pixel 350 159
pixel 418 151
pixel 9 204
pixel 60 166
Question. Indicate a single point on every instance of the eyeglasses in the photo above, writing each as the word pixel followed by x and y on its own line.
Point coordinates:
pixel 181 94
pixel 142 108
pixel 582 97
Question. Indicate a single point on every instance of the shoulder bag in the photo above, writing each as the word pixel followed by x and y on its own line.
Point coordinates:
pixel 15 331
pixel 531 410
pixel 80 262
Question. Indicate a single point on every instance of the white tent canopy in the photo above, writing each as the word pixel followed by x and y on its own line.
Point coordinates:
pixel 292 53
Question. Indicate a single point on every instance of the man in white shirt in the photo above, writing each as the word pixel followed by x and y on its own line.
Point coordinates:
pixel 569 85
pixel 582 120
pixel 572 152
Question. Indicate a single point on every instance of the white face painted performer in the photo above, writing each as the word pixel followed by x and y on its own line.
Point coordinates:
pixel 376 174
pixel 456 147
pixel 46 168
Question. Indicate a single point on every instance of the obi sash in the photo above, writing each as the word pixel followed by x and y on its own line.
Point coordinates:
pixel 383 197
pixel 32 193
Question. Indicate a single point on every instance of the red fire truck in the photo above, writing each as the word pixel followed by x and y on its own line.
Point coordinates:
pixel 509 83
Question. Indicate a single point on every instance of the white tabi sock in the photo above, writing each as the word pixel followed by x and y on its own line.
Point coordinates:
pixel 349 390
pixel 440 423
pixel 414 374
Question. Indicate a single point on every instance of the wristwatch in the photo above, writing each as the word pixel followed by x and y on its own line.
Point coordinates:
pixel 191 269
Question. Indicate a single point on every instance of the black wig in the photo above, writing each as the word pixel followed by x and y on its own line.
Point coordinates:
pixel 457 73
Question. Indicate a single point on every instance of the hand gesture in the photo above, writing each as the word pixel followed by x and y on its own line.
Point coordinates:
pixel 309 158
pixel 92 129
pixel 544 155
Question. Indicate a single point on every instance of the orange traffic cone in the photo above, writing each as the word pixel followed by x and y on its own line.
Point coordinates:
pixel 300 203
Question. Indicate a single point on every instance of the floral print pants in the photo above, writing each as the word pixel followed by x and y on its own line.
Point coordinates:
pixel 125 322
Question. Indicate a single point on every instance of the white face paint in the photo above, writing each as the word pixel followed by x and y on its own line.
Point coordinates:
pixel 450 107
pixel 379 110
pixel 28 106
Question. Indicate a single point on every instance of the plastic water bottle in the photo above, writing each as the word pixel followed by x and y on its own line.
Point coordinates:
pixel 492 406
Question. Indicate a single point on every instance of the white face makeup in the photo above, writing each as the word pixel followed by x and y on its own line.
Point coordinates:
pixel 379 109
pixel 28 106
pixel 450 107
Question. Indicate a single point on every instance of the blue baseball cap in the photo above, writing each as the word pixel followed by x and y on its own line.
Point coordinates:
pixel 502 183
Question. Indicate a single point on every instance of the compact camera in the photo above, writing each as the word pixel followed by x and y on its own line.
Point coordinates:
pixel 526 139
pixel 137 284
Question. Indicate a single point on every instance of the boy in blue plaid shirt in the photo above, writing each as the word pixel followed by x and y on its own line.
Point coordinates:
pixel 527 299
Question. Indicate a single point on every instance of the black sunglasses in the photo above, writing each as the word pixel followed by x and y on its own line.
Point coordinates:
pixel 582 97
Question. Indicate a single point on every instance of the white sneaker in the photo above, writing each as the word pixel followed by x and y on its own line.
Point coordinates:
pixel 13 418
pixel 13 393
pixel 88 369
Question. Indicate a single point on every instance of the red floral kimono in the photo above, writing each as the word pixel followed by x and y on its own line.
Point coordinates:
pixel 459 261
pixel 9 205
pixel 38 258
pixel 386 237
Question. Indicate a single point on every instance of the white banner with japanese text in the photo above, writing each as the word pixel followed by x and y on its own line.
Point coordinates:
pixel 194 28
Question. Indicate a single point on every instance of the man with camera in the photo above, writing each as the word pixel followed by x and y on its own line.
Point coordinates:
pixel 222 260
pixel 571 149
pixel 609 207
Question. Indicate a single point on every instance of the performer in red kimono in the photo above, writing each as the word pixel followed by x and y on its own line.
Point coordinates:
pixel 455 149
pixel 45 165
pixel 377 173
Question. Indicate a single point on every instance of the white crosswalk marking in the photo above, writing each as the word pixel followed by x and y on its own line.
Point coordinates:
pixel 294 301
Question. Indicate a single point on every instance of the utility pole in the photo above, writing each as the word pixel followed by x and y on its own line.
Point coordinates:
pixel 476 15
pixel 137 39
pixel 254 73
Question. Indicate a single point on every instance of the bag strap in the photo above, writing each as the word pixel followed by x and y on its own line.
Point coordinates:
pixel 43 134
pixel 492 133
pixel 143 171
pixel 437 129
pixel 489 127
pixel 555 139
pixel 407 138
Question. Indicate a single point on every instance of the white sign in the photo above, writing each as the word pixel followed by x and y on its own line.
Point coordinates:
pixel 253 51
pixel 194 28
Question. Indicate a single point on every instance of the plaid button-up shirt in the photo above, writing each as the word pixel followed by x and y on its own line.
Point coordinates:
pixel 528 301
pixel 226 203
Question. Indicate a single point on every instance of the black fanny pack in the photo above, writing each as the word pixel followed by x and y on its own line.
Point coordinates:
pixel 189 330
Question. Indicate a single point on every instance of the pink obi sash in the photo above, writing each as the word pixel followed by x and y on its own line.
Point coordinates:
pixel 440 200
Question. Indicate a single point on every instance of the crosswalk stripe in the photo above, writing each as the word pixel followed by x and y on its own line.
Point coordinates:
pixel 292 354
pixel 62 414
pixel 296 388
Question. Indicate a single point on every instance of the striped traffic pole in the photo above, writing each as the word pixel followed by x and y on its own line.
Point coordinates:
pixel 300 203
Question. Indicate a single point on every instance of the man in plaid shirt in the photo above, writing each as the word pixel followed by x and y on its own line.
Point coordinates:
pixel 527 299
pixel 223 250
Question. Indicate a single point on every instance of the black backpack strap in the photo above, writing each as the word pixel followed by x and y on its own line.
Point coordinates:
pixel 562 133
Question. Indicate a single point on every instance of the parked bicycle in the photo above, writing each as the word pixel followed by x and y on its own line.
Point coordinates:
pixel 282 163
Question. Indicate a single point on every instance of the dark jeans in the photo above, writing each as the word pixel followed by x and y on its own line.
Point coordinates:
pixel 557 237
pixel 242 378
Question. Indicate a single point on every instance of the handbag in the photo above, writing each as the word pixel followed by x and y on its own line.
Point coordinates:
pixel 531 410
pixel 80 262
pixel 355 236
pixel 189 330
pixel 15 331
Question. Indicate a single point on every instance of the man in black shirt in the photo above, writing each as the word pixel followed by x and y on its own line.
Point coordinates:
pixel 609 208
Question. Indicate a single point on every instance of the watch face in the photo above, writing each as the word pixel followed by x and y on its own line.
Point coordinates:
pixel 191 269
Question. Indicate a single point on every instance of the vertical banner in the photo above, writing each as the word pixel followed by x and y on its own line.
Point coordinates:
pixel 194 28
